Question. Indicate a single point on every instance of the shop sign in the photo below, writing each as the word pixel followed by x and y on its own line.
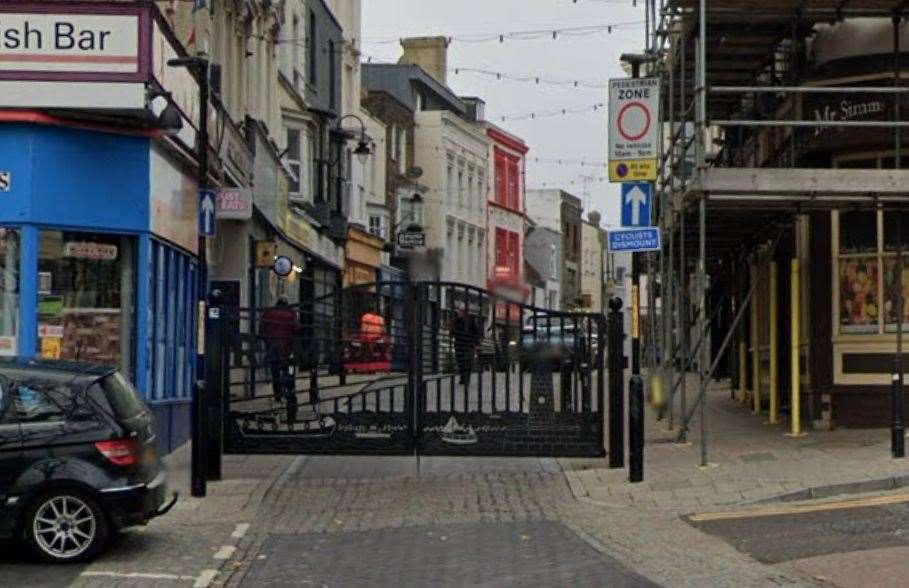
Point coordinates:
pixel 266 251
pixel 234 204
pixel 8 346
pixel 45 283
pixel 94 251
pixel 411 239
pixel 45 330
pixel 849 109
pixel 50 306
pixel 6 181
pixel 87 43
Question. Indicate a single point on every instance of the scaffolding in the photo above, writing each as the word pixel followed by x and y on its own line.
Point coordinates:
pixel 730 179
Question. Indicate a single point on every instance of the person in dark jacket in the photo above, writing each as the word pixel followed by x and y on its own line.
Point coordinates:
pixel 279 328
pixel 467 337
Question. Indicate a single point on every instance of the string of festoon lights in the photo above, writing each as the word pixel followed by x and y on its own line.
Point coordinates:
pixel 523 35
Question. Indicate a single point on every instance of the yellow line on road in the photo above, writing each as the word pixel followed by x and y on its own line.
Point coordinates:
pixel 800 509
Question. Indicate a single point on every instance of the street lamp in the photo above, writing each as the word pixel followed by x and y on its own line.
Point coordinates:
pixel 206 453
pixel 362 151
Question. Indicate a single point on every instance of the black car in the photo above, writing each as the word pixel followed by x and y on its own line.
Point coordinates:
pixel 77 458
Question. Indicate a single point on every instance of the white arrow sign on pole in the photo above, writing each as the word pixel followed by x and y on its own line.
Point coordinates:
pixel 207 213
pixel 636 197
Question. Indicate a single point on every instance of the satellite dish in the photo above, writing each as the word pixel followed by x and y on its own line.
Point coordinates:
pixel 414 172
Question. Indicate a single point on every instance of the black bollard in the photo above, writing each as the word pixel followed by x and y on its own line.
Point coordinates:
pixel 198 486
pixel 616 349
pixel 214 384
pixel 636 429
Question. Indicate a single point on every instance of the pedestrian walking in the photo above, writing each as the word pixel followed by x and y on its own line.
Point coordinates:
pixel 279 328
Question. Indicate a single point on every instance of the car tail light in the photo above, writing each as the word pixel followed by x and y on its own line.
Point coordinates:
pixel 121 452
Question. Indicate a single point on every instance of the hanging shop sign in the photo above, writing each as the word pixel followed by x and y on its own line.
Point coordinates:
pixel 266 251
pixel 283 266
pixel 234 204
pixel 94 251
pixel 634 110
pixel 411 239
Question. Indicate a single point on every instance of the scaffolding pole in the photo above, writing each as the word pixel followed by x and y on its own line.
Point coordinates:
pixel 701 129
pixel 684 310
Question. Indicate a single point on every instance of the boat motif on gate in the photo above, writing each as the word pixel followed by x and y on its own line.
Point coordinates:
pixel 456 434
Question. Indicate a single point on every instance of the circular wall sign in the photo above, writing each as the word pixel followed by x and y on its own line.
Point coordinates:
pixel 283 266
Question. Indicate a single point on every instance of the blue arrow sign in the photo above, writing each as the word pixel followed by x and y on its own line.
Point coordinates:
pixel 636 199
pixel 644 239
pixel 207 213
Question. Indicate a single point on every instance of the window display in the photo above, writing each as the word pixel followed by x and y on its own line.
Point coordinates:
pixel 859 295
pixel 86 298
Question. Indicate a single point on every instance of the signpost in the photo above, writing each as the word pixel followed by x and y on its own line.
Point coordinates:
pixel 643 239
pixel 633 129
pixel 207 213
pixel 636 204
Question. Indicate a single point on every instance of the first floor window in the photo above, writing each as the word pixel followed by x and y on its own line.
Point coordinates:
pixel 377 225
pixel 294 160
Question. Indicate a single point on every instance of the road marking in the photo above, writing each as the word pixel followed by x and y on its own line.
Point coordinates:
pixel 241 530
pixel 800 509
pixel 205 578
pixel 144 576
pixel 225 552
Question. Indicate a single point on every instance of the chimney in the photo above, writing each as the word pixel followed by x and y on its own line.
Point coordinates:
pixel 430 53
pixel 594 218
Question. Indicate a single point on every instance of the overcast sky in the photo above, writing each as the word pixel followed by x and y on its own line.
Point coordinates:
pixel 590 58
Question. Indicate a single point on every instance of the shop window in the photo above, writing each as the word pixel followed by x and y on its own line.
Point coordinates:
pixel 858 232
pixel 86 298
pixel 171 324
pixel 9 291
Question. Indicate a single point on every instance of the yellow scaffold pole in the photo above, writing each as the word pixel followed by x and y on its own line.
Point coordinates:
pixel 774 347
pixel 796 384
pixel 755 347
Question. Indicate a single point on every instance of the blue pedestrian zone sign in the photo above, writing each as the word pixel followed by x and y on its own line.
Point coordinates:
pixel 636 199
pixel 643 239
pixel 207 213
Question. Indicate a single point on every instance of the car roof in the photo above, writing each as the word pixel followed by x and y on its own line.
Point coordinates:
pixel 53 369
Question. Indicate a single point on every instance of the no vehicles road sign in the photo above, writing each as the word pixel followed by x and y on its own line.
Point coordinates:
pixel 644 239
pixel 634 119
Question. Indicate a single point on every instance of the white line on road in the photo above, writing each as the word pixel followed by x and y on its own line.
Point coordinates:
pixel 226 552
pixel 142 575
pixel 241 530
pixel 205 578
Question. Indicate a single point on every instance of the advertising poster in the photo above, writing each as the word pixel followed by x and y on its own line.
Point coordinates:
pixel 859 304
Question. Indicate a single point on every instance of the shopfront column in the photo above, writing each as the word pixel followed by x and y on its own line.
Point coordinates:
pixel 28 292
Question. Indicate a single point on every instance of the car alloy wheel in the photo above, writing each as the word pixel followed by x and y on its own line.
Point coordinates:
pixel 66 526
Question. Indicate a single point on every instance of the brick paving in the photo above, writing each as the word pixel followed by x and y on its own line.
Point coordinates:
pixel 750 461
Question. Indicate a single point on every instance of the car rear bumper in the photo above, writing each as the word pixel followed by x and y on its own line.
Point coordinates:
pixel 136 504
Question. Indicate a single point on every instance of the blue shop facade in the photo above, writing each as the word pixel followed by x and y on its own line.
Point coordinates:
pixel 98 258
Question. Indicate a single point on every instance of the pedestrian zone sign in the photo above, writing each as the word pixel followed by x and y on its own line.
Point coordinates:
pixel 634 111
pixel 636 201
pixel 643 239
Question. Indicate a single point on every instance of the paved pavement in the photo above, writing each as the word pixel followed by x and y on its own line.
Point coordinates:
pixel 749 461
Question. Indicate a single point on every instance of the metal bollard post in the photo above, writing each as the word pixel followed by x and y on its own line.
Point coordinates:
pixel 636 429
pixel 214 384
pixel 616 385
pixel 199 449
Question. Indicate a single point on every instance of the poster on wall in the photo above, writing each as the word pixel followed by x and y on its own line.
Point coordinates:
pixel 8 346
pixel 45 282
pixel 859 304
pixel 891 293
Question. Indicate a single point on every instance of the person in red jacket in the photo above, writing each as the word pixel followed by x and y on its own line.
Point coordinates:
pixel 279 328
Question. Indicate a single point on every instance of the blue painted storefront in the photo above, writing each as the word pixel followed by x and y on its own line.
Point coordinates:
pixel 80 181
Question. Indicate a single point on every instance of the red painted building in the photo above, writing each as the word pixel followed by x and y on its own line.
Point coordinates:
pixel 506 218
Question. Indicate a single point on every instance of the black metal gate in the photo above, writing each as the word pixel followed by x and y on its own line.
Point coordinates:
pixel 399 367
